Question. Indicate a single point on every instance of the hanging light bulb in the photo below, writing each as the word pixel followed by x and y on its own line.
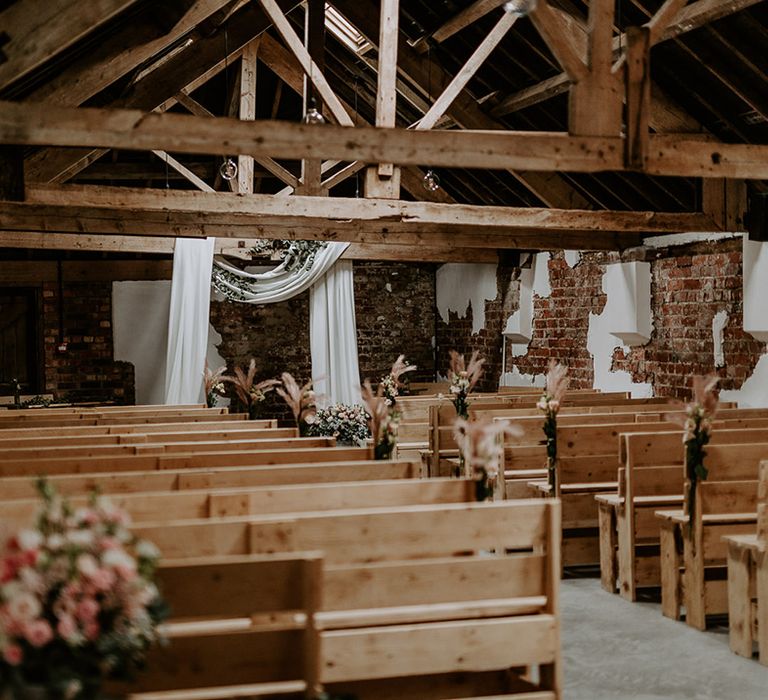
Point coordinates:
pixel 431 181
pixel 313 115
pixel 228 170
pixel 520 8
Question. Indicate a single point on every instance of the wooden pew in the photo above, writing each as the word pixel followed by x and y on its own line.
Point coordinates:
pixel 245 640
pixel 382 637
pixel 169 480
pixel 190 504
pixel 748 582
pixel 121 419
pixel 726 504
pixel 91 465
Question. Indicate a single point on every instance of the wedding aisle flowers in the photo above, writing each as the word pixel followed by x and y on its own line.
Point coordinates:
pixel 549 404
pixel 301 401
pixel 348 424
pixel 481 444
pixel 250 394
pixel 463 379
pixel 696 421
pixel 78 602
pixel 213 384
pixel 391 384
pixel 383 420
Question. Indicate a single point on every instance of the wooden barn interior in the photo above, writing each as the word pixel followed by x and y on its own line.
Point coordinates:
pixel 535 227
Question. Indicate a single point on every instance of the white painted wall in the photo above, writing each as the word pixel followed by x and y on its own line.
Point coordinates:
pixel 601 339
pixel 140 335
pixel 755 288
pixel 628 310
pixel 461 285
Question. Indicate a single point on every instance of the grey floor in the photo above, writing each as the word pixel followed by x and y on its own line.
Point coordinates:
pixel 614 649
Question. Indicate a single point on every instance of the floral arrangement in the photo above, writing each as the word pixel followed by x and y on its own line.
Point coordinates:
pixel 481 444
pixel 301 401
pixel 391 384
pixel 77 600
pixel 383 420
pixel 463 379
pixel 213 384
pixel 249 393
pixel 697 426
pixel 348 424
pixel 549 404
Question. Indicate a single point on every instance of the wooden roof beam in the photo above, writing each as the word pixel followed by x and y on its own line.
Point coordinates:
pixel 464 18
pixel 679 155
pixel 38 31
pixel 692 17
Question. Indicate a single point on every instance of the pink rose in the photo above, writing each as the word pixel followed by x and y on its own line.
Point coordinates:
pixel 67 627
pixel 38 633
pixel 87 609
pixel 91 630
pixel 109 543
pixel 103 579
pixel 13 655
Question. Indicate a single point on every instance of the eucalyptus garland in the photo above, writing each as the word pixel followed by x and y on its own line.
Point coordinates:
pixel 295 255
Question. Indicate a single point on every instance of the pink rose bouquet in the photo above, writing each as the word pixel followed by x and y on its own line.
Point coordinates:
pixel 78 603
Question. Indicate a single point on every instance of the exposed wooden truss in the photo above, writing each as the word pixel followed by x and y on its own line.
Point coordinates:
pixel 680 155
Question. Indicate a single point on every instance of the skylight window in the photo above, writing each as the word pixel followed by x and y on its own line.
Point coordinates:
pixel 345 32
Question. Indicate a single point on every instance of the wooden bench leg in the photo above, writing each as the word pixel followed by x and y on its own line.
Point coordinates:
pixel 626 556
pixel 693 588
pixel 761 574
pixel 670 572
pixel 608 541
pixel 739 601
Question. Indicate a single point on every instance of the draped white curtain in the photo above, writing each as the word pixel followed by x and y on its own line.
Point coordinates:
pixel 188 320
pixel 333 337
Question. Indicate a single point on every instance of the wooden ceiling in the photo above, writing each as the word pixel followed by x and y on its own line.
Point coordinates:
pixel 584 125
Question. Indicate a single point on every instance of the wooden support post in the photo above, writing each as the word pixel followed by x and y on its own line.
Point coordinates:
pixel 596 99
pixel 383 181
pixel 12 173
pixel 670 570
pixel 247 111
pixel 606 518
pixel 739 600
pixel 761 574
pixel 638 87
pixel 314 40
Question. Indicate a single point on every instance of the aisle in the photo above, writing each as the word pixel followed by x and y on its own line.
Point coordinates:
pixel 615 650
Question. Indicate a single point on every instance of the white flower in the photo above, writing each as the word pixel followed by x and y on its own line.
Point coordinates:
pixel 82 538
pixel 24 607
pixel 87 565
pixel 116 558
pixel 55 542
pixel 30 540
pixel 147 550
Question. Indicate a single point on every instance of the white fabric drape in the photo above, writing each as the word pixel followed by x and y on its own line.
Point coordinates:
pixel 282 283
pixel 333 337
pixel 188 320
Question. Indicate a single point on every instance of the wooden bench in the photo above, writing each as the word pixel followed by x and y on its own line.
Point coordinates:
pixel 321 452
pixel 213 477
pixel 726 504
pixel 748 582
pixel 414 640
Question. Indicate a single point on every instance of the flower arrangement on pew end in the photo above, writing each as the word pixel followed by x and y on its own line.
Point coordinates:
pixel 300 399
pixel 463 379
pixel 250 394
pixel 348 424
pixel 696 421
pixel 391 384
pixel 481 443
pixel 383 420
pixel 213 384
pixel 78 602
pixel 549 404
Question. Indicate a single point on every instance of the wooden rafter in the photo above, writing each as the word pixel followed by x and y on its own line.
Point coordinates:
pixel 680 155
pixel 692 17
pixel 180 168
pixel 455 24
pixel 555 33
pixel 38 31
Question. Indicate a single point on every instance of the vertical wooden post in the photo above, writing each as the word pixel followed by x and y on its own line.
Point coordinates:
pixel 638 88
pixel 12 173
pixel 247 111
pixel 314 40
pixel 383 181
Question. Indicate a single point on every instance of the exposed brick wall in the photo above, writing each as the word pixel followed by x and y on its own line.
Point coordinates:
pixel 688 288
pixel 394 309
pixel 87 371
pixel 395 314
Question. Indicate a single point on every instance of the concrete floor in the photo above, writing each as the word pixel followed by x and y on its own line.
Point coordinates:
pixel 614 650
